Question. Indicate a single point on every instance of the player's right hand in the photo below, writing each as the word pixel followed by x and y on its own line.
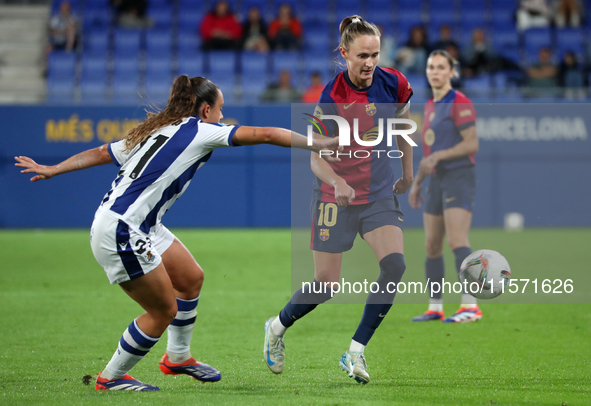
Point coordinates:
pixel 42 171
pixel 415 197
pixel 343 193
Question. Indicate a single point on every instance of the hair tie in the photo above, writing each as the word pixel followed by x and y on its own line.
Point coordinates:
pixel 355 20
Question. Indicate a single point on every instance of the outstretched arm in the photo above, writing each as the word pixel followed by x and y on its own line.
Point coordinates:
pixel 283 138
pixel 83 160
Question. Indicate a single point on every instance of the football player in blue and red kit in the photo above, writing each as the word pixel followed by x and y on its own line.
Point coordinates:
pixel 355 195
pixel 449 144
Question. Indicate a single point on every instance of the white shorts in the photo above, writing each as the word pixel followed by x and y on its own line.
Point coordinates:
pixel 123 250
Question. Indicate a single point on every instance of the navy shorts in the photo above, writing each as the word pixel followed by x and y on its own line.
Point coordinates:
pixel 453 188
pixel 335 228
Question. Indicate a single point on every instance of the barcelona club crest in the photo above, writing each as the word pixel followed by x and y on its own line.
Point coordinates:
pixel 370 109
pixel 324 234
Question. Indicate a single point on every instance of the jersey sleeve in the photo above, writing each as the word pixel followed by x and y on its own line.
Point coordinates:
pixel 118 153
pixel 327 107
pixel 217 135
pixel 404 95
pixel 463 113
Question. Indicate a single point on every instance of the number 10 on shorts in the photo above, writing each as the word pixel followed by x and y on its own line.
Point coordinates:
pixel 328 214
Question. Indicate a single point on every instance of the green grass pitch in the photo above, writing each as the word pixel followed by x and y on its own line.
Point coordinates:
pixel 61 321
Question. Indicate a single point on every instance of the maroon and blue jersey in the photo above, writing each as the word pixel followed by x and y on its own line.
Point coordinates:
pixel 442 123
pixel 369 173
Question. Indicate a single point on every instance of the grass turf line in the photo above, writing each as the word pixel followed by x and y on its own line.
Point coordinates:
pixel 61 321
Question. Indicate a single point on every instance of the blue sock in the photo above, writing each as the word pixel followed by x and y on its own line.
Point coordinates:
pixel 303 302
pixel 461 253
pixel 435 272
pixel 378 304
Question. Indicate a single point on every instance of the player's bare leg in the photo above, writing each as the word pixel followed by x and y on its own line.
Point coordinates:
pixel 154 293
pixel 187 279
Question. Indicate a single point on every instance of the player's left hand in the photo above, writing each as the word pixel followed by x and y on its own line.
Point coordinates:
pixel 401 186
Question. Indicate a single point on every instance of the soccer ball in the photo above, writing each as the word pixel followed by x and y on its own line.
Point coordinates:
pixel 485 274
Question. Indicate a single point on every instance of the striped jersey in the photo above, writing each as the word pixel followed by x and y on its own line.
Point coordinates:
pixel 158 170
pixel 367 171
pixel 442 123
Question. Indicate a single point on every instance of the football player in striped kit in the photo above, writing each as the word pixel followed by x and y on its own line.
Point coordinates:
pixel 157 161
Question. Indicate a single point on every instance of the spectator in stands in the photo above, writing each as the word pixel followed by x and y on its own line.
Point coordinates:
pixel 568 13
pixel 479 56
pixel 131 13
pixel 412 58
pixel 533 13
pixel 543 75
pixel 220 29
pixel 254 32
pixel 571 77
pixel 63 29
pixel 312 93
pixel 282 91
pixel 285 31
pixel 445 39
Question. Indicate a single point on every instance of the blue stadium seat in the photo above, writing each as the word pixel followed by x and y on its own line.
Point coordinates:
pixel 96 17
pixel 481 82
pixel 60 89
pixel 158 68
pixel 127 92
pixel 127 42
pixel 96 42
pixel 504 39
pixel 188 41
pixel 126 67
pixel 93 89
pixel 380 16
pixel 346 8
pixel 252 89
pixel 286 61
pixel 410 5
pixel 191 64
pixel 161 16
pixel 61 65
pixel 503 19
pixel 226 83
pixel 190 19
pixel 94 66
pixel 158 88
pixel 418 82
pixel 254 63
pixel 318 39
pixel 222 62
pixel 570 40
pixel 158 43
pixel 315 11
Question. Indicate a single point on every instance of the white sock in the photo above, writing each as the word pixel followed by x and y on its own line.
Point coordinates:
pixel 180 331
pixel 277 327
pixel 468 301
pixel 133 346
pixel 356 347
pixel 436 305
